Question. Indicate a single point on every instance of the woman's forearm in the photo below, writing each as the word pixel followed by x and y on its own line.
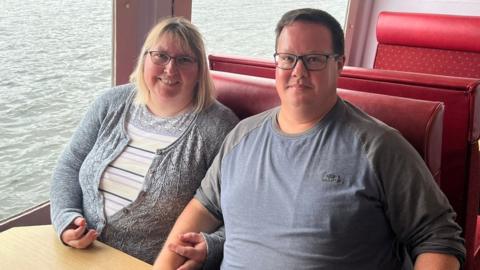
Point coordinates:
pixel 194 218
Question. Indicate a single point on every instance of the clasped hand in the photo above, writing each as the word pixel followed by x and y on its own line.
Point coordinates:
pixel 193 248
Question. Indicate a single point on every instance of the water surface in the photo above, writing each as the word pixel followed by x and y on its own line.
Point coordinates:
pixel 55 58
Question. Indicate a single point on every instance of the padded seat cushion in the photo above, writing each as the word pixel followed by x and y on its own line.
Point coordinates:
pixel 428 43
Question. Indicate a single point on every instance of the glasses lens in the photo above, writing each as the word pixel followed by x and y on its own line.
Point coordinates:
pixel 315 61
pixel 285 60
pixel 162 59
pixel 184 60
pixel 159 58
pixel 311 61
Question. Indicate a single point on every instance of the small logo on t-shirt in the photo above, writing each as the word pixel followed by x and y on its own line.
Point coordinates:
pixel 332 178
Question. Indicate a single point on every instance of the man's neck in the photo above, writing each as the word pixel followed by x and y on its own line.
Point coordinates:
pixel 298 120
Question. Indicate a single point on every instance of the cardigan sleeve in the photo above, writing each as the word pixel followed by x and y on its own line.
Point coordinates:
pixel 65 190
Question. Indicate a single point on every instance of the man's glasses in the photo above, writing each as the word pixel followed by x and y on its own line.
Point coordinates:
pixel 162 59
pixel 315 61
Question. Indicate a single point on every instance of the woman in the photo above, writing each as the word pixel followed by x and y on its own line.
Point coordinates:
pixel 142 149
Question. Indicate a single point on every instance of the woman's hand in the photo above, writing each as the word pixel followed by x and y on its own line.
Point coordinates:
pixel 75 235
pixel 195 251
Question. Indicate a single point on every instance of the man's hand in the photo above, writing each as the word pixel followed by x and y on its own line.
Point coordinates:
pixel 195 250
pixel 194 218
pixel 75 235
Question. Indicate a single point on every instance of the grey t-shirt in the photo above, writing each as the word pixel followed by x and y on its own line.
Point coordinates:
pixel 350 193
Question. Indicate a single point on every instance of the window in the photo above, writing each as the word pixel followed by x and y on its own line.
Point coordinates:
pixel 247 28
pixel 55 56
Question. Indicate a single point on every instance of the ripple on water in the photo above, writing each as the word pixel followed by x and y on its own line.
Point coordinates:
pixel 45 83
pixel 55 58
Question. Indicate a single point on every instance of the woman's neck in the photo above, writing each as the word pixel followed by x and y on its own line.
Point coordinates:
pixel 169 109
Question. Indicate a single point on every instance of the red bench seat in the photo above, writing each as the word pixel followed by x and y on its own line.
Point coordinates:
pixel 460 176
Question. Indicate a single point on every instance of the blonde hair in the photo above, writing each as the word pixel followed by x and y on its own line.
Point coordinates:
pixel 189 38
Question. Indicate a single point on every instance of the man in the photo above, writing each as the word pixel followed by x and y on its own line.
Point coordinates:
pixel 317 183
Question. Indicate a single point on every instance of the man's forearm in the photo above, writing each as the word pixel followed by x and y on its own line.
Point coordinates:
pixel 194 218
pixel 436 261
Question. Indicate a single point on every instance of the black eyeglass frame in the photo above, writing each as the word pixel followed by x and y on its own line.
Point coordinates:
pixel 175 58
pixel 303 57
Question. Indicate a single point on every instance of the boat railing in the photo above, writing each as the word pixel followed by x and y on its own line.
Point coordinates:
pixel 37 215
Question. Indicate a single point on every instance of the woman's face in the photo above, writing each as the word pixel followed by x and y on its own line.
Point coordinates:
pixel 170 74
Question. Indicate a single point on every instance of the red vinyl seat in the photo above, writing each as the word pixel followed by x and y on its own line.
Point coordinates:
pixel 460 176
pixel 428 43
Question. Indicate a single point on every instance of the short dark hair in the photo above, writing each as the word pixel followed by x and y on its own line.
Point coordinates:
pixel 314 16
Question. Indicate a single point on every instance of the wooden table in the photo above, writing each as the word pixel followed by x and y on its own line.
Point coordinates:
pixel 38 247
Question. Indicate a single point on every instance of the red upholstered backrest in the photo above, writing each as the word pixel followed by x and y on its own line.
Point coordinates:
pixel 245 95
pixel 460 178
pixel 461 120
pixel 460 156
pixel 420 122
pixel 429 43
pixel 462 114
pixel 242 65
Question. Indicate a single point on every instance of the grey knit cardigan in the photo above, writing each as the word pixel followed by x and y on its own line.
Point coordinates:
pixel 141 228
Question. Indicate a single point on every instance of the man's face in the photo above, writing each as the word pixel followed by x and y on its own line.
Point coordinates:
pixel 299 87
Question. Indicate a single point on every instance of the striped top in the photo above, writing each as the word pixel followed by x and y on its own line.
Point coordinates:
pixel 123 179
